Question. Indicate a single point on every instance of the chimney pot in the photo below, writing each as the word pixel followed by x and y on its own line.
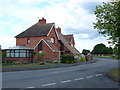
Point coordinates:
pixel 58 29
pixel 42 21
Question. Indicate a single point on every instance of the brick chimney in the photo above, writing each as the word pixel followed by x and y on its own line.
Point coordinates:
pixel 58 29
pixel 42 21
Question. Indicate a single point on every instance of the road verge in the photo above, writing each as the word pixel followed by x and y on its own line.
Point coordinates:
pixel 44 67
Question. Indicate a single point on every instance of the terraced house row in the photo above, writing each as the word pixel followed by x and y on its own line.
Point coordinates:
pixel 45 38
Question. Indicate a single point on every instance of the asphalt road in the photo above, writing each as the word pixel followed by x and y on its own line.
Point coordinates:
pixel 91 75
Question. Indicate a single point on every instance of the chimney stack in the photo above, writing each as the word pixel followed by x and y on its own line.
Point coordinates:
pixel 58 29
pixel 42 21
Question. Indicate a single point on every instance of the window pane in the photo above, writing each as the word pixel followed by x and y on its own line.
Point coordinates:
pixel 8 54
pixel 27 54
pixel 12 51
pixel 27 51
pixel 12 54
pixel 16 54
pixel 17 51
pixel 22 54
pixel 22 50
pixel 8 50
pixel 31 54
pixel 52 40
pixel 28 41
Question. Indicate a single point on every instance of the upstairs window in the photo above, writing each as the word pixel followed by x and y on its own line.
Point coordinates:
pixel 28 40
pixel 52 40
pixel 72 45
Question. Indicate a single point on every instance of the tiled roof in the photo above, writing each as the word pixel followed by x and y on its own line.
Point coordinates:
pixel 65 42
pixel 69 37
pixel 51 45
pixel 37 29
pixel 21 47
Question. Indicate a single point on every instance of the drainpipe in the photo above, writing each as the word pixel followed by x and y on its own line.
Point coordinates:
pixel 59 56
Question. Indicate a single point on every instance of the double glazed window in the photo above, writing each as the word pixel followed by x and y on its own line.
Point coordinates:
pixel 52 40
pixel 19 53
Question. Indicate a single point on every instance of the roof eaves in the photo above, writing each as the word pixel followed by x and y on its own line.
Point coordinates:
pixel 50 30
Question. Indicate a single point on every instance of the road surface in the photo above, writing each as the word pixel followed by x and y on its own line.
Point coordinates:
pixel 91 75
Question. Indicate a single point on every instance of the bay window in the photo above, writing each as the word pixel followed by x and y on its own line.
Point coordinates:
pixel 19 53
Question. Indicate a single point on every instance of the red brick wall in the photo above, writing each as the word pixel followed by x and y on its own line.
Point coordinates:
pixel 48 52
pixel 34 40
pixel 53 34
pixel 12 58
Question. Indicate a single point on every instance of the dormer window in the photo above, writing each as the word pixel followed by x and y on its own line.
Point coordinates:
pixel 52 40
pixel 28 40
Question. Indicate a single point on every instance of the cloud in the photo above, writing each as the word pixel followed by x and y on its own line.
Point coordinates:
pixel 89 43
pixel 7 42
pixel 73 16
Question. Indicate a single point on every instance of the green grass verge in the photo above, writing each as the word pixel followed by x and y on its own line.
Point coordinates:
pixel 29 65
pixel 106 57
pixel 115 72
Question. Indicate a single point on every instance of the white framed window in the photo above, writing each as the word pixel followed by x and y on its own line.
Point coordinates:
pixel 72 45
pixel 28 40
pixel 52 40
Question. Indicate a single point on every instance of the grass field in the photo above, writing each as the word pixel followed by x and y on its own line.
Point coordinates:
pixel 28 65
pixel 115 72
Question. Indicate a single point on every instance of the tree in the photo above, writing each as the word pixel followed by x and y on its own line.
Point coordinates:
pixel 108 22
pixel 99 49
pixel 85 52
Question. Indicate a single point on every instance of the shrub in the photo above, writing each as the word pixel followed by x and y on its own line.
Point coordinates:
pixel 86 57
pixel 82 59
pixel 77 58
pixel 67 59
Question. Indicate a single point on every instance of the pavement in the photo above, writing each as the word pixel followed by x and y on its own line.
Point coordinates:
pixel 91 75
pixel 45 67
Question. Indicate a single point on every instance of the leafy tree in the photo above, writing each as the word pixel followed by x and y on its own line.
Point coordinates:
pixel 109 50
pixel 85 52
pixel 108 22
pixel 99 49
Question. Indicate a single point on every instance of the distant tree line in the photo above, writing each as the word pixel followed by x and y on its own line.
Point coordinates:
pixel 85 51
pixel 100 49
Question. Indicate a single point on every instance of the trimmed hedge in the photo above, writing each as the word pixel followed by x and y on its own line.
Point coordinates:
pixel 67 59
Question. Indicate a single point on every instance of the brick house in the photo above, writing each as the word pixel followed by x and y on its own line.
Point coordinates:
pixel 43 37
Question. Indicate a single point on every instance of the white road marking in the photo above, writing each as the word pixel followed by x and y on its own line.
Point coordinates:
pixel 48 84
pixel 31 87
pixel 64 71
pixel 89 76
pixel 66 81
pixel 99 74
pixel 78 78
pixel 54 72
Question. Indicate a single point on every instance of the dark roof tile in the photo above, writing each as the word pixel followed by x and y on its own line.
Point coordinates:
pixel 36 30
pixel 65 42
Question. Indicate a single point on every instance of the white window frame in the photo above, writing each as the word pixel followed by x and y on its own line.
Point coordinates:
pixel 52 40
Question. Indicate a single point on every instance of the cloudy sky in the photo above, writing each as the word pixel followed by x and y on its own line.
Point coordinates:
pixel 73 16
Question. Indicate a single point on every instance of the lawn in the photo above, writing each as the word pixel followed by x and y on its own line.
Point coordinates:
pixel 115 72
pixel 29 65
pixel 106 57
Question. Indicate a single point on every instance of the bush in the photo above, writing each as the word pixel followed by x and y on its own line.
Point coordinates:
pixel 82 59
pixel 77 58
pixel 67 59
pixel 86 57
